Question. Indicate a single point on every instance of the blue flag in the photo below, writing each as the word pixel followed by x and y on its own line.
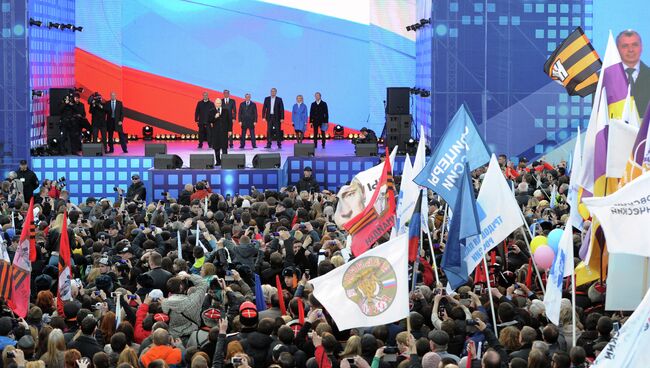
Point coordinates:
pixel 460 143
pixel 260 303
pixel 464 224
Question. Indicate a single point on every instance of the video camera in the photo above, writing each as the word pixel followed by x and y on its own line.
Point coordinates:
pixel 95 98
pixel 60 183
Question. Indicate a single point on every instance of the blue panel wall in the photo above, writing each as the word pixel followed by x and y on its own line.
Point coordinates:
pixel 14 85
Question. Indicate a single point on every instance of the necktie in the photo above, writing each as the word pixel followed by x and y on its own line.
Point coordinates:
pixel 113 108
pixel 630 77
pixel 226 100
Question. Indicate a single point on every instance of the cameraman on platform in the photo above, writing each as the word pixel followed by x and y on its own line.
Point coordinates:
pixel 68 112
pixel 79 122
pixel 98 118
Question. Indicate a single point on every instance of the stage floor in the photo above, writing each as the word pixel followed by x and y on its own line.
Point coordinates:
pixel 333 148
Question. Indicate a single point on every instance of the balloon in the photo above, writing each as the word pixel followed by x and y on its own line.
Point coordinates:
pixel 583 211
pixel 538 241
pixel 554 239
pixel 543 257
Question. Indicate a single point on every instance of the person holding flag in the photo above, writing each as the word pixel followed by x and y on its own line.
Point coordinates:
pixel 21 267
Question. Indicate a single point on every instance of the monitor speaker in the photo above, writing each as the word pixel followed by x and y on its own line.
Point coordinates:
pixel 303 150
pixel 201 161
pixel 267 161
pixel 233 161
pixel 92 149
pixel 153 149
pixel 365 149
pixel 397 100
pixel 56 99
pixel 167 162
pixel 53 126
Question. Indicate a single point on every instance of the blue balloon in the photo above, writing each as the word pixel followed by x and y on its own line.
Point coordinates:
pixel 554 239
pixel 11 232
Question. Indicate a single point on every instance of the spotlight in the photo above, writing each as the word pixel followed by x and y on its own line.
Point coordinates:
pixel 350 136
pixel 77 29
pixel 147 132
pixel 34 22
pixel 425 21
pixel 425 93
pixel 67 26
pixel 173 137
pixel 37 93
pixel 408 28
pixel 51 25
pixel 338 132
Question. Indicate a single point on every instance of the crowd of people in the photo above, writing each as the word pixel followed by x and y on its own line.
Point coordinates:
pixel 169 283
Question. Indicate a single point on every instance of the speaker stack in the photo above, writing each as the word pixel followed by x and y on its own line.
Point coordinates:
pixel 398 119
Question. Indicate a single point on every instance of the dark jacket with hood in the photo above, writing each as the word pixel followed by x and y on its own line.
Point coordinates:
pixel 259 346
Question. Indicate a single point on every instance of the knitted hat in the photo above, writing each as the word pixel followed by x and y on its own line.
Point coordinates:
pixel 161 317
pixel 248 314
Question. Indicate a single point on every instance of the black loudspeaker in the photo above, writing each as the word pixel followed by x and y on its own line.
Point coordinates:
pixel 365 149
pixel 201 161
pixel 303 150
pixel 56 99
pixel 397 100
pixel 153 149
pixel 167 162
pixel 267 161
pixel 233 161
pixel 53 127
pixel 398 124
pixel 92 149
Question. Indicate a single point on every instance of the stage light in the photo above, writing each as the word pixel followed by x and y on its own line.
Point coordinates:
pixel 147 132
pixel 34 22
pixel 37 93
pixel 77 29
pixel 173 137
pixel 67 26
pixel 425 93
pixel 327 136
pixel 425 21
pixel 350 136
pixel 51 25
pixel 408 28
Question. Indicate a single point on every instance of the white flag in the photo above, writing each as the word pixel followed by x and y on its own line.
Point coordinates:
pixel 624 217
pixel 118 310
pixel 562 266
pixel 406 198
pixel 498 212
pixel 369 178
pixel 573 195
pixel 370 290
pixel 178 242
pixel 630 346
pixel 620 143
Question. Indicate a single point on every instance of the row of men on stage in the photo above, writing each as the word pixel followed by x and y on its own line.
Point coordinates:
pixel 106 116
pixel 272 114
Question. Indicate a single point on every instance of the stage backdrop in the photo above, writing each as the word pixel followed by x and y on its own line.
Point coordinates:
pixel 159 55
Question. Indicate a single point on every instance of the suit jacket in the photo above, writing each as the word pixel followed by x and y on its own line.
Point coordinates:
pixel 119 111
pixel 318 113
pixel 641 91
pixel 220 127
pixel 247 114
pixel 232 106
pixel 202 111
pixel 278 108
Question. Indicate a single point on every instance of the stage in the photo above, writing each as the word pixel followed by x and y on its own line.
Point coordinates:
pixel 333 148
pixel 332 167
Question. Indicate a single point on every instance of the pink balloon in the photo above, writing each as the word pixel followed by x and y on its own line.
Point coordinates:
pixel 544 256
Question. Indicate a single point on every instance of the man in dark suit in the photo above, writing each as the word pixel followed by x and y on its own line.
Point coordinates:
pixel 202 118
pixel 231 105
pixel 630 48
pixel 318 117
pixel 98 118
pixel 247 120
pixel 114 122
pixel 221 125
pixel 273 115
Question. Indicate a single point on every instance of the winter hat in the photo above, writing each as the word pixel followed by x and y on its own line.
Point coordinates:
pixel 211 317
pixel 248 314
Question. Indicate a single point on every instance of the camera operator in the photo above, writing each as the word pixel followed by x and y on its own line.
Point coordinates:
pixel 137 190
pixel 98 118
pixel 79 122
pixel 366 136
pixel 68 112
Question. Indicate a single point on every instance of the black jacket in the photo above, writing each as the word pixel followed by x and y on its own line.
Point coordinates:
pixel 278 108
pixel 220 127
pixel 30 183
pixel 318 113
pixel 119 111
pixel 231 105
pixel 87 346
pixel 202 111
pixel 98 113
pixel 136 189
pixel 247 114
pixel 308 184
pixel 259 346
pixel 641 89
pixel 160 278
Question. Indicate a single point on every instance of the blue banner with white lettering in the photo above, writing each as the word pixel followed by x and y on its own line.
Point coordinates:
pixel 444 170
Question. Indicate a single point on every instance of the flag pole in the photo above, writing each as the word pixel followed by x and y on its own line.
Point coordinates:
pixel 433 258
pixel 494 317
pixel 573 308
pixel 442 226
pixel 530 251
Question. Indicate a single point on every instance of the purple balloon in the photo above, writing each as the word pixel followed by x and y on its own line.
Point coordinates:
pixel 544 256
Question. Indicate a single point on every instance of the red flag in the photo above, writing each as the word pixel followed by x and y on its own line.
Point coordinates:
pixel 5 272
pixel 301 312
pixel 22 268
pixel 480 274
pixel 294 221
pixel 65 265
pixel 278 285
pixel 493 258
pixel 529 273
pixel 368 226
pixel 32 233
